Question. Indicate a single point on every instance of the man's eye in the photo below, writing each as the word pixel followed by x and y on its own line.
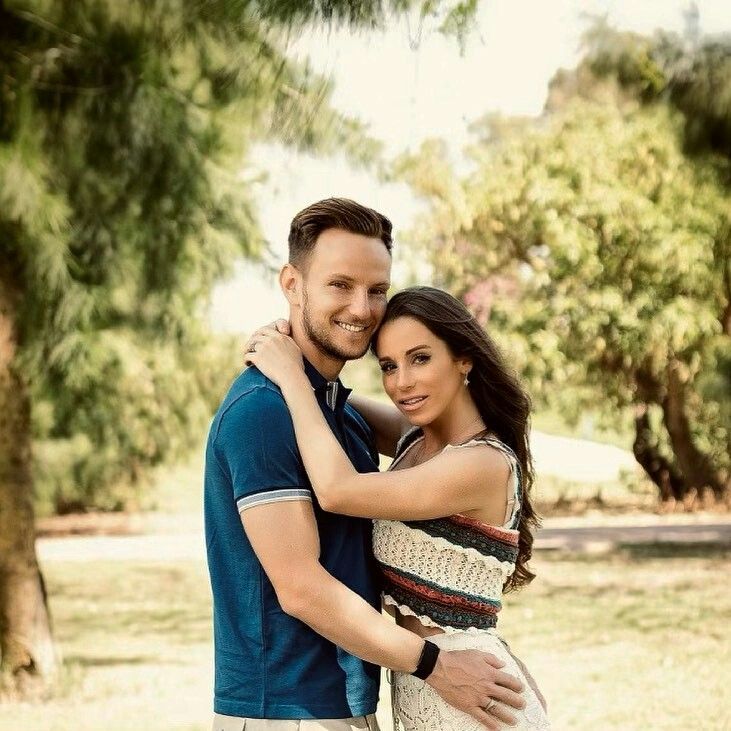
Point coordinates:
pixel 339 285
pixel 379 292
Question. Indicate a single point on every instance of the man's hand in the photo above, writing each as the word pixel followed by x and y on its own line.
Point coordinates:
pixel 473 682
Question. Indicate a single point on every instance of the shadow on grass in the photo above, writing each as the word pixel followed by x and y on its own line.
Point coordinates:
pixel 132 600
pixel 85 661
pixel 628 551
pixel 679 550
pixel 178 627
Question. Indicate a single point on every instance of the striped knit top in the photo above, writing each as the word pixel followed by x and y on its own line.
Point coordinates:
pixel 449 572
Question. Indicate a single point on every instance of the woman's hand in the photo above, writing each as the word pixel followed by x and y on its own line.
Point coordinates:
pixel 279 325
pixel 277 356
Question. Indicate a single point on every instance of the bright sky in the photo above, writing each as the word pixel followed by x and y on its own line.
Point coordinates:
pixel 406 92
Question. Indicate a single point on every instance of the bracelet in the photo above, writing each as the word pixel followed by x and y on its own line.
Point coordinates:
pixel 427 660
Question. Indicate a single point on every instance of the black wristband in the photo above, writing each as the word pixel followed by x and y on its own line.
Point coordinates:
pixel 427 660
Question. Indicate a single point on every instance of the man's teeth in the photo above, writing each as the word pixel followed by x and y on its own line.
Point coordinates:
pixel 352 328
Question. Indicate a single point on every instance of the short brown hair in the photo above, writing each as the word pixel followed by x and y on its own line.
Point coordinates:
pixel 342 213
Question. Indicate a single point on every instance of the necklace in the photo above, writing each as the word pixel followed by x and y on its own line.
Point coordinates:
pixel 465 435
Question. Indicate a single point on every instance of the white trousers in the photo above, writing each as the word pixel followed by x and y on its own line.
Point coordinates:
pixel 236 723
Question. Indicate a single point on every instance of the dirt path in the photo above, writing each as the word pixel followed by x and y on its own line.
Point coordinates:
pixel 605 537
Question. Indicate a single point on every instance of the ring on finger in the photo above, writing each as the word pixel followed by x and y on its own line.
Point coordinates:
pixel 489 705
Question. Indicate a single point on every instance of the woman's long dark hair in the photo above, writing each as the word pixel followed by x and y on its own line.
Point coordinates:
pixel 503 404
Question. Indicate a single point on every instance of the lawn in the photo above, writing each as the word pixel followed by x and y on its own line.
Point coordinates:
pixel 637 639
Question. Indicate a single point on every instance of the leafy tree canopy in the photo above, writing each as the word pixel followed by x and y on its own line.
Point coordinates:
pixel 124 128
pixel 691 73
pixel 597 247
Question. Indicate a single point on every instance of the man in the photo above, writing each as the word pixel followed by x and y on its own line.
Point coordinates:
pixel 297 628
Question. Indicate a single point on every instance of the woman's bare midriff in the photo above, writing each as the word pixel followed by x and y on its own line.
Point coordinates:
pixel 414 625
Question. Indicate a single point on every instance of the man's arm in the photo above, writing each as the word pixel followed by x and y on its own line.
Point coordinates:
pixel 285 539
pixel 386 421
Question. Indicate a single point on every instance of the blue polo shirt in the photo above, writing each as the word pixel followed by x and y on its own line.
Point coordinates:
pixel 267 663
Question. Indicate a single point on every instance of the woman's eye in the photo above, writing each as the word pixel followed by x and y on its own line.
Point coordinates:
pixel 387 367
pixel 422 358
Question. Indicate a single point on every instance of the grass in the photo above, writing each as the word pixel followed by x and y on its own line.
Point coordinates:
pixel 557 496
pixel 638 639
pixel 135 638
pixel 590 426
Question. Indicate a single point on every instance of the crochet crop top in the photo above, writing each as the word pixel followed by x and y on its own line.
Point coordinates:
pixel 449 572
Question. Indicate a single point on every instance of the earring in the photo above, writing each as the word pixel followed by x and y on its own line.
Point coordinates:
pixel 466 379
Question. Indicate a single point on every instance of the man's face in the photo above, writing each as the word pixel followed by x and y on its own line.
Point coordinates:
pixel 344 285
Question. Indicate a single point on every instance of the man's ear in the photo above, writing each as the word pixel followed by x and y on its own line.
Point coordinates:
pixel 290 280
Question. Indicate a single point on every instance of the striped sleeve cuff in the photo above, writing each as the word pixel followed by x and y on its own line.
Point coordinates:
pixel 273 496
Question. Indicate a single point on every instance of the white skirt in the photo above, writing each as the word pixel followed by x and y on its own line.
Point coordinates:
pixel 418 708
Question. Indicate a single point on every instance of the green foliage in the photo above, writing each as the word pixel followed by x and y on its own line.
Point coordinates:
pixel 123 130
pixel 136 404
pixel 694 77
pixel 460 21
pixel 597 250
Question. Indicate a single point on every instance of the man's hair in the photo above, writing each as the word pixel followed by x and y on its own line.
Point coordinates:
pixel 341 213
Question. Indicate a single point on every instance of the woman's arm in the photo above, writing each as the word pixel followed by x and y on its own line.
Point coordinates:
pixel 452 482
pixel 386 421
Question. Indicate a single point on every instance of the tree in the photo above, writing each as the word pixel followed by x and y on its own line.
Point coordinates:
pixel 123 127
pixel 691 74
pixel 599 247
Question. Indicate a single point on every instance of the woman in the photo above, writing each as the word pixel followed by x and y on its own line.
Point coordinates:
pixel 453 518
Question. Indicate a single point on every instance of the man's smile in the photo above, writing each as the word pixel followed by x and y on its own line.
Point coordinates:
pixel 351 328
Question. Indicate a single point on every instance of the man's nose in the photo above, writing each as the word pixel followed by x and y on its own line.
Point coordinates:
pixel 360 307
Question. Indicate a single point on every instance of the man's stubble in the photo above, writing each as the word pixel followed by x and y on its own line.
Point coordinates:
pixel 320 338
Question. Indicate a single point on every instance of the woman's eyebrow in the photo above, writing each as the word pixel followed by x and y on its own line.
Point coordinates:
pixel 408 352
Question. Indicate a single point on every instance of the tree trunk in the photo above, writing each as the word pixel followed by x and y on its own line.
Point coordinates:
pixel 726 314
pixel 696 466
pixel 660 470
pixel 27 654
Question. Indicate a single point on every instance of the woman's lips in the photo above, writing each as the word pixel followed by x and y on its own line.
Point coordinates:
pixel 413 403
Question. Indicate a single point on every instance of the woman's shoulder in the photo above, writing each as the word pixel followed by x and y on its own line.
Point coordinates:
pixel 495 443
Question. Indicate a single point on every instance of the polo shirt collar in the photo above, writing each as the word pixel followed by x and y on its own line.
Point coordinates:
pixel 332 392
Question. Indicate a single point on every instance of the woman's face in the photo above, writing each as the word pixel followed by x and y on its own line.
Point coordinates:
pixel 420 374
